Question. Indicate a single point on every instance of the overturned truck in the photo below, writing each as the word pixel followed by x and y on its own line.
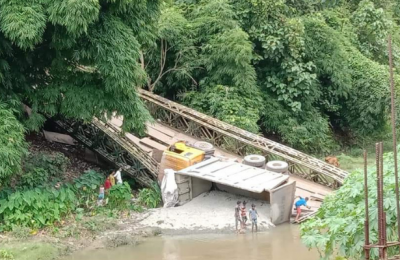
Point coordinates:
pixel 195 174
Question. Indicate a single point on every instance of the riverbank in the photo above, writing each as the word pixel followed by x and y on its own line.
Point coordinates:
pixel 210 213
pixel 50 247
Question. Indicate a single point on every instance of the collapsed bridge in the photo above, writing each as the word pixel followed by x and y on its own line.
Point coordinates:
pixel 121 149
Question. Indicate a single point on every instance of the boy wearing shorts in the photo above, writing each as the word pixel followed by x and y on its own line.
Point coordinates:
pixel 237 215
pixel 253 214
pixel 297 206
pixel 244 214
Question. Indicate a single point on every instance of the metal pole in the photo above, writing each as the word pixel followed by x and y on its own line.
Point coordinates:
pixel 383 213
pixel 394 134
pixel 366 223
pixel 378 190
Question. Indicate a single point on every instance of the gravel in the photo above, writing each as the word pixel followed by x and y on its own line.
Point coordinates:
pixel 209 212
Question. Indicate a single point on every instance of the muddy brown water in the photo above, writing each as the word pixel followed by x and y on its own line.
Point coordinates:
pixel 280 243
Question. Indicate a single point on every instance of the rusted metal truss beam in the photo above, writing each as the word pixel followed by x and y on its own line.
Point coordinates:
pixel 172 114
pixel 113 147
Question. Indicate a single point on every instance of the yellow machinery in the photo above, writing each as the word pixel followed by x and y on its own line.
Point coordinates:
pixel 179 156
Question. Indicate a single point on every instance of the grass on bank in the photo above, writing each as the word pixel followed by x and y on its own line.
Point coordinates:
pixel 350 163
pixel 352 158
pixel 30 251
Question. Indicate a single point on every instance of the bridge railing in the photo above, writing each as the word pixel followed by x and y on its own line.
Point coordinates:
pixel 114 147
pixel 239 141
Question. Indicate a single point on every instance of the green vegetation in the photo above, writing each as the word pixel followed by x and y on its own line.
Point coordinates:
pixel 78 59
pixel 41 197
pixel 39 207
pixel 47 206
pixel 12 145
pixel 150 197
pixel 312 73
pixel 119 196
pixel 30 251
pixel 338 226
pixel 41 168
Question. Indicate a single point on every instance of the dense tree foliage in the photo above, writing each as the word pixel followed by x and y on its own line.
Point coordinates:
pixel 75 58
pixel 12 145
pixel 302 70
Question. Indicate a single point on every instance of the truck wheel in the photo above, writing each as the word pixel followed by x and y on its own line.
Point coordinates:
pixel 204 146
pixel 254 160
pixel 277 166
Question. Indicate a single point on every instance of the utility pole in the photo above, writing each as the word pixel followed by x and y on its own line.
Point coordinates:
pixel 394 133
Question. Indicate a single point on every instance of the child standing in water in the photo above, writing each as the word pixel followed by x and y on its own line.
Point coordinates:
pixel 253 214
pixel 237 215
pixel 244 214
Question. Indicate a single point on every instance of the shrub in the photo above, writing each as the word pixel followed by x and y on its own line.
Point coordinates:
pixel 338 227
pixel 55 164
pixel 87 187
pixel 119 196
pixel 36 208
pixel 5 254
pixel 35 177
pixel 150 198
pixel 12 142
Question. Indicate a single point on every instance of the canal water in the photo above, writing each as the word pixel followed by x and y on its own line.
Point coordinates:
pixel 280 243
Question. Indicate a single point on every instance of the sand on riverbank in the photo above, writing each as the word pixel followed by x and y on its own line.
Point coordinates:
pixel 210 212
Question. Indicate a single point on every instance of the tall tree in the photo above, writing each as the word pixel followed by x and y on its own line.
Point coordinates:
pixel 78 59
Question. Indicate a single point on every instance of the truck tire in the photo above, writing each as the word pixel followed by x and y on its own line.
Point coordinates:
pixel 204 146
pixel 254 160
pixel 277 166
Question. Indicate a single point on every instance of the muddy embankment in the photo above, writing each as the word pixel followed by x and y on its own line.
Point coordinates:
pixel 210 213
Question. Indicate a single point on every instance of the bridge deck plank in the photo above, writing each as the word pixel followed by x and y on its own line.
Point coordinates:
pixel 153 144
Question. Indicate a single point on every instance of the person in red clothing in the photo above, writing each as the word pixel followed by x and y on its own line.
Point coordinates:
pixel 107 184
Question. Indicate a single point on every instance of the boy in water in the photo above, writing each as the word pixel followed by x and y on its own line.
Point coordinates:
pixel 298 204
pixel 244 214
pixel 253 214
pixel 101 196
pixel 237 215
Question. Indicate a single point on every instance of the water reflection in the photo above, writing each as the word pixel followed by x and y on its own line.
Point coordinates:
pixel 171 250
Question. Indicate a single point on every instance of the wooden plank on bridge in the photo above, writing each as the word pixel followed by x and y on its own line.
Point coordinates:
pixel 304 218
pixel 59 138
pixel 153 144
pixel 317 197
pixel 157 135
pixel 162 129
pixel 137 141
